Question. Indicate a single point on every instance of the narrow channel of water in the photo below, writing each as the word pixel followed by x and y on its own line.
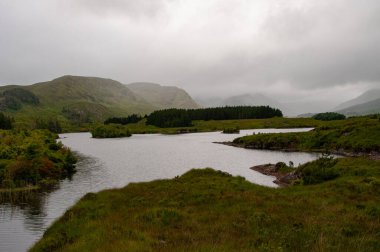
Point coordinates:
pixel 109 163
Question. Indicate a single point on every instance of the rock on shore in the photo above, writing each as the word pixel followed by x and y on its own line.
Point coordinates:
pixel 282 178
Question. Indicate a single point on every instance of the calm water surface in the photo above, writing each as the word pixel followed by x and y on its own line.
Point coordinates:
pixel 109 163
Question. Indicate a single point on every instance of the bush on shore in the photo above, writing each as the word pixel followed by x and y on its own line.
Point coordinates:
pixel 110 131
pixel 30 157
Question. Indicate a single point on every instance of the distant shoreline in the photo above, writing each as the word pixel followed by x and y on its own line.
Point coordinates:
pixel 373 155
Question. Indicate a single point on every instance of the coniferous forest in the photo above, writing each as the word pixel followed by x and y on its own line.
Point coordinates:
pixel 184 117
pixel 134 118
pixel 5 121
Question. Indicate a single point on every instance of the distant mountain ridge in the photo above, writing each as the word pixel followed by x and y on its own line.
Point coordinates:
pixel 162 96
pixel 367 96
pixel 255 99
pixel 78 99
pixel 364 104
pixel 367 108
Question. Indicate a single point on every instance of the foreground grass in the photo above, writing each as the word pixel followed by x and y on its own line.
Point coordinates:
pixel 354 135
pixel 207 210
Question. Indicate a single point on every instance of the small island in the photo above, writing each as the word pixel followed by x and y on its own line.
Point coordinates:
pixel 235 130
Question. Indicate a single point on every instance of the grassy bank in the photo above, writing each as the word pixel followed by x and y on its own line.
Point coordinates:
pixel 354 135
pixel 220 125
pixel 207 210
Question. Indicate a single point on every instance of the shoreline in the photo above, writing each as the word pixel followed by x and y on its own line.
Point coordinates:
pixel 19 189
pixel 371 155
pixel 283 179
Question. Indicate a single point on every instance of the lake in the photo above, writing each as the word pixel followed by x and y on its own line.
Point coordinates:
pixel 110 163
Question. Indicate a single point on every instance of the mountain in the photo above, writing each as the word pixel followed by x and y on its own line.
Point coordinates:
pixel 209 101
pixel 368 96
pixel 372 107
pixel 244 99
pixel 306 115
pixel 250 99
pixel 77 99
pixel 162 96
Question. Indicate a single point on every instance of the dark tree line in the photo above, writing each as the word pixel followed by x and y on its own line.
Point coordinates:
pixel 169 118
pixel 5 121
pixel 184 117
pixel 52 125
pixel 124 120
pixel 329 116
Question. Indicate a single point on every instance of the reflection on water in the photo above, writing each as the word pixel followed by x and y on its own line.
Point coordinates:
pixel 108 163
pixel 24 216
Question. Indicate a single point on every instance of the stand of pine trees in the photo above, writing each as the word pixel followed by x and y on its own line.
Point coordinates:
pixel 183 117
pixel 123 120
pixel 5 121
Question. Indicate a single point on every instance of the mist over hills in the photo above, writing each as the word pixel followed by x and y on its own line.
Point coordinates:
pixel 162 96
pixel 81 99
pixel 371 107
pixel 364 104
pixel 367 96
pixel 256 99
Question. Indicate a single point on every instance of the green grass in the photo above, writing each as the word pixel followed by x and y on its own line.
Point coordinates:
pixel 356 135
pixel 207 210
pixel 220 125
pixel 28 114
pixel 277 122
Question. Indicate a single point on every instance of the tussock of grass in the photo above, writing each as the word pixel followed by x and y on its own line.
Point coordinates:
pixel 208 210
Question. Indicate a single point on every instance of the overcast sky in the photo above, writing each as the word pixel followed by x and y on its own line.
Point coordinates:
pixel 313 52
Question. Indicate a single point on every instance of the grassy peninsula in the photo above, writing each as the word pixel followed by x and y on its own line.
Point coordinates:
pixel 351 136
pixel 208 210
pixel 215 125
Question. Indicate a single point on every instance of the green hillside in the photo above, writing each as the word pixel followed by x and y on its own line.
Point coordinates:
pixel 163 96
pixel 66 90
pixel 77 101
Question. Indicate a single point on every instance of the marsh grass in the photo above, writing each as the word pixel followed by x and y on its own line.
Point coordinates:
pixel 16 195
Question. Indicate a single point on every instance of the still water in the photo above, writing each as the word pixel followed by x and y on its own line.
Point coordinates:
pixel 109 163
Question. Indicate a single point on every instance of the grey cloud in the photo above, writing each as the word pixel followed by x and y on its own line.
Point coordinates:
pixel 131 8
pixel 207 47
pixel 308 55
